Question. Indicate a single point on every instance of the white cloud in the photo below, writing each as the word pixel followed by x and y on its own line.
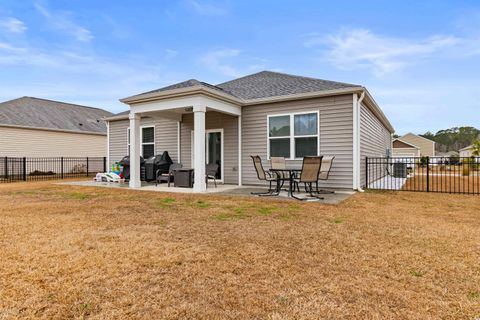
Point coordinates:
pixel 360 48
pixel 205 9
pixel 228 62
pixel 63 21
pixel 170 53
pixel 214 60
pixel 12 25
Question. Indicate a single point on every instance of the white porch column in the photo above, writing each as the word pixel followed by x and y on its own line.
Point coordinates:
pixel 199 148
pixel 134 150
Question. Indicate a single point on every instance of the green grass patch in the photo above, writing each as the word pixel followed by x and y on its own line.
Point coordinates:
pixel 417 273
pixel 76 195
pixel 166 202
pixel 474 295
pixel 201 204
pixel 337 220
pixel 265 211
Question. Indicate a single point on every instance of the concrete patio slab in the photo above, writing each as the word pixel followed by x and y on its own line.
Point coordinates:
pixel 221 189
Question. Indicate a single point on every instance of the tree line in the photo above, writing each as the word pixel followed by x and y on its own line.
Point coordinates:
pixel 453 139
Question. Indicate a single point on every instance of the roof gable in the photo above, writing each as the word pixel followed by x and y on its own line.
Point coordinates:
pixel 397 143
pixel 416 136
pixel 48 114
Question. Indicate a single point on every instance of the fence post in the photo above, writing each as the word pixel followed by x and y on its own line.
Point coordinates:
pixel 61 165
pixel 428 174
pixel 24 169
pixel 366 172
pixel 87 166
pixel 104 164
pixel 6 167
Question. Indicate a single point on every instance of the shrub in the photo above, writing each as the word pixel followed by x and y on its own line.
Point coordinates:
pixel 424 161
pixel 454 160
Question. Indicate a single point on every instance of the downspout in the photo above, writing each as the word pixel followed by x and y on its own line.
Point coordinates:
pixel 356 143
pixel 108 145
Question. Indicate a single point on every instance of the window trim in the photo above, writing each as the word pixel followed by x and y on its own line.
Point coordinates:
pixel 292 135
pixel 141 139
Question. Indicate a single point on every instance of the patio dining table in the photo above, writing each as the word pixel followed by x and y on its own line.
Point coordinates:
pixel 291 174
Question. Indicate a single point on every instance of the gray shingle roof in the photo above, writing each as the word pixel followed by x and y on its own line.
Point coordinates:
pixel 180 85
pixel 267 84
pixel 263 84
pixel 42 113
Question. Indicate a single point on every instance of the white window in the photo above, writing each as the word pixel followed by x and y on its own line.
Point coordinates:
pixel 293 136
pixel 147 139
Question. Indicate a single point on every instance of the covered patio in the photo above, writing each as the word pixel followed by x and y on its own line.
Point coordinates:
pixel 199 101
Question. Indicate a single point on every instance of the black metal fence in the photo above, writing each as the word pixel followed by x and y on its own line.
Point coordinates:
pixel 14 169
pixel 424 174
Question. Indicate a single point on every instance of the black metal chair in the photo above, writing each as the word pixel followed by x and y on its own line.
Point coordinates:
pixel 325 168
pixel 211 171
pixel 308 176
pixel 167 177
pixel 262 175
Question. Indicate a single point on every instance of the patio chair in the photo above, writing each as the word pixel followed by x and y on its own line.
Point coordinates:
pixel 167 177
pixel 262 175
pixel 325 168
pixel 308 176
pixel 280 163
pixel 211 171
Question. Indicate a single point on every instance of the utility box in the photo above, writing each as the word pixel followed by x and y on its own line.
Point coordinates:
pixel 400 170
pixel 183 178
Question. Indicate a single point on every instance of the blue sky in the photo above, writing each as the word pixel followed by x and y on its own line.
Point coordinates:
pixel 419 59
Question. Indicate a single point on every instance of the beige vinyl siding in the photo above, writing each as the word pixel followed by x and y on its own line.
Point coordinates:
pixel 165 137
pixel 399 152
pixel 336 135
pixel 427 147
pixel 118 140
pixel 214 120
pixel 375 140
pixel 20 142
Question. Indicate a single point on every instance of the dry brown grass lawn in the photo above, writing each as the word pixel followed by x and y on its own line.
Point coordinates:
pixel 444 183
pixel 72 252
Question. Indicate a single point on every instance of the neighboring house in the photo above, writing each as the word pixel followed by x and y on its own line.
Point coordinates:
pixel 265 114
pixel 466 152
pixel 426 146
pixel 403 149
pixel 33 127
pixel 447 154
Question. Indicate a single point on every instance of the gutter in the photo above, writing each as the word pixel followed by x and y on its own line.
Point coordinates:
pixel 14 126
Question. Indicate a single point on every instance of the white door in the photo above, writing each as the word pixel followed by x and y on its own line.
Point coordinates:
pixel 213 149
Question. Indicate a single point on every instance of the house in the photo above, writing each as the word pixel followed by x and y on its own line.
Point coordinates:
pixel 34 127
pixel 466 152
pixel 425 146
pixel 266 114
pixel 403 149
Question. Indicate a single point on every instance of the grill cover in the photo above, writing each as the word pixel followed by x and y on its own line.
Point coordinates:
pixel 125 163
pixel 160 162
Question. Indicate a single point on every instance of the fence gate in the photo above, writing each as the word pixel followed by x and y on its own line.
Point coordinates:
pixel 34 169
pixel 424 174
